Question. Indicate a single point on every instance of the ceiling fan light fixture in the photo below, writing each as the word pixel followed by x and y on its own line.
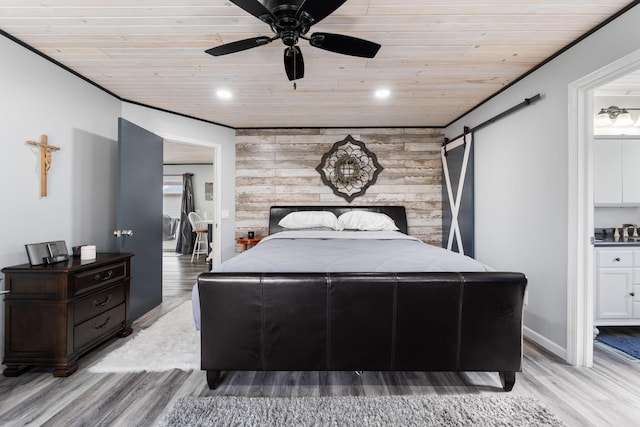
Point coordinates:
pixel 293 63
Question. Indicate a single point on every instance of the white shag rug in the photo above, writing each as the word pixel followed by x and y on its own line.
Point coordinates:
pixel 460 411
pixel 172 342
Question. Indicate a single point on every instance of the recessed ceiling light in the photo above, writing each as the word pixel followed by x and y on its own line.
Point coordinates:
pixel 383 93
pixel 224 94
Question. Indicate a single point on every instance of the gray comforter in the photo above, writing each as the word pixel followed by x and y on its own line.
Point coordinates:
pixel 341 252
pixel 346 251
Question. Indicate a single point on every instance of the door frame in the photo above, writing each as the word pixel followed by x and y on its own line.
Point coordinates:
pixel 580 271
pixel 217 190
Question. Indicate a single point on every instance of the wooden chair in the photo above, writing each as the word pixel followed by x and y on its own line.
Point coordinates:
pixel 199 227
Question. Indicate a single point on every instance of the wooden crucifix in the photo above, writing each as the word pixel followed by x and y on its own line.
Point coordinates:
pixel 45 161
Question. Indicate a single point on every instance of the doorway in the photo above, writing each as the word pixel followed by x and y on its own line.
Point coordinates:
pixel 580 292
pixel 171 203
pixel 186 157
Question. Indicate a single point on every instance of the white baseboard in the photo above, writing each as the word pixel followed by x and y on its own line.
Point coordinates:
pixel 545 343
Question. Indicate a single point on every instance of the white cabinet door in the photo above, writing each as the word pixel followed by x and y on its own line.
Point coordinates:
pixel 631 171
pixel 635 300
pixel 607 186
pixel 613 293
pixel 617 286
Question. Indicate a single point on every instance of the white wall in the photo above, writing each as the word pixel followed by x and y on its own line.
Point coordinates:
pixel 38 97
pixel 608 217
pixel 522 176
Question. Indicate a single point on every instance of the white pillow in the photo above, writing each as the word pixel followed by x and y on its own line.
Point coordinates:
pixel 309 219
pixel 366 221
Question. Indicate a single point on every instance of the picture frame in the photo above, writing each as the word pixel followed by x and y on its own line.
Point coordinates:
pixel 208 190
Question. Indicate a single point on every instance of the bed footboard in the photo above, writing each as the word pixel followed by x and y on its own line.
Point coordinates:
pixel 362 321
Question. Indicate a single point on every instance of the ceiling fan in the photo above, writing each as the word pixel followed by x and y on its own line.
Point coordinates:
pixel 290 20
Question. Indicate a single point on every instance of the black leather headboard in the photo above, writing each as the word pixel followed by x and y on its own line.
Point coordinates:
pixel 397 213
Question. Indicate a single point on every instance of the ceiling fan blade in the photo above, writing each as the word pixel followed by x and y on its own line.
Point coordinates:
pixel 319 9
pixel 239 45
pixel 293 63
pixel 255 8
pixel 345 45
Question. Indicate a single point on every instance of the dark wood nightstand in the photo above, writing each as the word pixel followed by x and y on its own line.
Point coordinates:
pixel 56 313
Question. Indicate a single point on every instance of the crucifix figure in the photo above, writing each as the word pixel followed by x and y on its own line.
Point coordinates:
pixel 45 161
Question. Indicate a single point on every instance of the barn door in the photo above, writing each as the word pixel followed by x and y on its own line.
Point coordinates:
pixel 458 195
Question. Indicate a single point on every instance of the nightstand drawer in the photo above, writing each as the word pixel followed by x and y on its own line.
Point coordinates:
pixel 99 276
pixel 96 327
pixel 92 305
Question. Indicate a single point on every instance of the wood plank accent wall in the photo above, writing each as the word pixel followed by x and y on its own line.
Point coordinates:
pixel 277 167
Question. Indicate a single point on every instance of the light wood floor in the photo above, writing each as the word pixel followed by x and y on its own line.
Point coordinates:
pixel 606 395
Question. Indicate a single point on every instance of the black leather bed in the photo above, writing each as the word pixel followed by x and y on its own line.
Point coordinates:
pixel 426 321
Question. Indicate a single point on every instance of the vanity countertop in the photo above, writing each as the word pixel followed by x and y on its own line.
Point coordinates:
pixel 604 241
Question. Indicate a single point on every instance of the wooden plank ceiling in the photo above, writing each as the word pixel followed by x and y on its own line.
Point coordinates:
pixel 439 58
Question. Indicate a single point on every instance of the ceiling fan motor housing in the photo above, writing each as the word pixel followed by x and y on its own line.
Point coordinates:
pixel 276 6
pixel 288 26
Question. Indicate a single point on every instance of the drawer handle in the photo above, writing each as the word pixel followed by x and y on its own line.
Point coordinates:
pixel 615 259
pixel 103 303
pixel 104 325
pixel 633 294
pixel 103 278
